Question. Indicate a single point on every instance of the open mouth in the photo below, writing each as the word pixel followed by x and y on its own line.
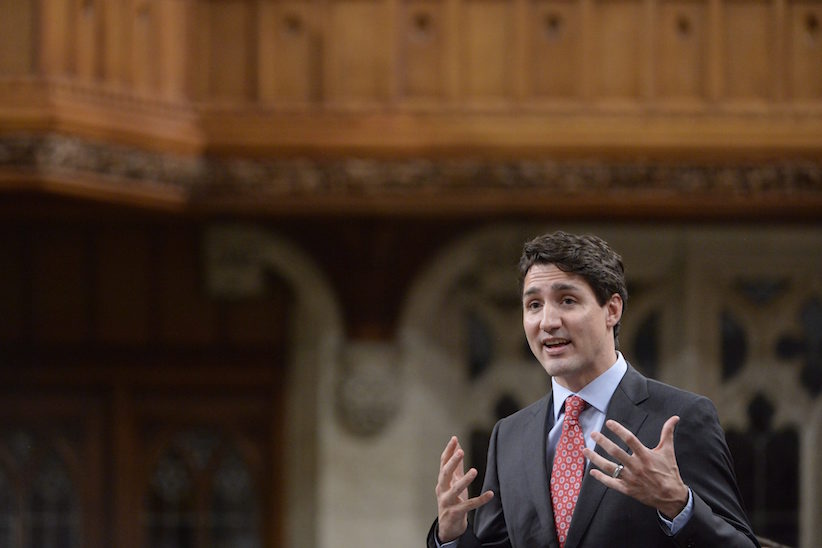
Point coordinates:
pixel 556 344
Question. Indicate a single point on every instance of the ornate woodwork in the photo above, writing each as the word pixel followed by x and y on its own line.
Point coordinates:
pixel 415 76
pixel 463 186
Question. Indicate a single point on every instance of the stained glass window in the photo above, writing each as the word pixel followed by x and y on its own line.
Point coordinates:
pixel 39 498
pixel 202 493
pixel 54 512
pixel 171 511
pixel 234 513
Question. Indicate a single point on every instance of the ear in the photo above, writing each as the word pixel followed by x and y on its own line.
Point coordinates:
pixel 613 310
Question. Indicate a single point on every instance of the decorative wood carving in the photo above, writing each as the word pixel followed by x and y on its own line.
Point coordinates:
pixel 425 185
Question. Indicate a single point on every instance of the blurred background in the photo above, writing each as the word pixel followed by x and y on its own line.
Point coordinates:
pixel 257 257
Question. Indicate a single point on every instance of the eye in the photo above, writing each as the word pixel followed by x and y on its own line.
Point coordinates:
pixel 568 300
pixel 533 305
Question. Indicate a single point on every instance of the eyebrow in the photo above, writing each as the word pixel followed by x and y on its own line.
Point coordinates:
pixel 558 286
pixel 564 286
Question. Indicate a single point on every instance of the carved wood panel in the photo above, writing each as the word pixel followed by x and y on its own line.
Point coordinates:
pixel 240 65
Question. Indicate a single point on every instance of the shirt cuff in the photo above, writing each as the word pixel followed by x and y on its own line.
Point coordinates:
pixel 452 544
pixel 673 527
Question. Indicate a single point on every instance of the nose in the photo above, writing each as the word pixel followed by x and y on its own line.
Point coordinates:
pixel 550 319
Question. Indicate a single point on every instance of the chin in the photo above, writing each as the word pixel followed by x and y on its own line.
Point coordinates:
pixel 557 369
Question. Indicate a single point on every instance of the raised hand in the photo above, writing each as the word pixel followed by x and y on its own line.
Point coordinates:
pixel 453 503
pixel 651 476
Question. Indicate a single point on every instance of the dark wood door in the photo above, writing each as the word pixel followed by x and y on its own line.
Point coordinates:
pixel 135 410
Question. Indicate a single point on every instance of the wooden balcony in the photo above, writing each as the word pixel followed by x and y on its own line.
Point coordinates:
pixel 714 84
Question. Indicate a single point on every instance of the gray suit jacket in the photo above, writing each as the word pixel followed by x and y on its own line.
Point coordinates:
pixel 520 514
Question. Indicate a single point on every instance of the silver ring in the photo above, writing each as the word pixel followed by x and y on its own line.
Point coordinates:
pixel 617 471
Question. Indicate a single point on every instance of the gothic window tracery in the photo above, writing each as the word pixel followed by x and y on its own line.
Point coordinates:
pixel 39 498
pixel 766 454
pixel 234 512
pixel 201 493
pixel 171 505
pixel 807 348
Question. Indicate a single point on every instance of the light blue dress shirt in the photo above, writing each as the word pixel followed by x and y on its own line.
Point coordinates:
pixel 597 394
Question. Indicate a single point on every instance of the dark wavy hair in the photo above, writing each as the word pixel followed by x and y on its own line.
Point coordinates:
pixel 585 255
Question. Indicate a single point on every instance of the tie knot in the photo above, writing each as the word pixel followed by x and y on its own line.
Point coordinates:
pixel 574 405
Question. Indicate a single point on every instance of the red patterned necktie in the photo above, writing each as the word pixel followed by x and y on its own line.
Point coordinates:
pixel 569 467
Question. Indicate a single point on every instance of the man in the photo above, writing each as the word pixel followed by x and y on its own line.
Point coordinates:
pixel 661 473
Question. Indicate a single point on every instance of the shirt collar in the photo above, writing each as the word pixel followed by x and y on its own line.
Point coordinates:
pixel 598 392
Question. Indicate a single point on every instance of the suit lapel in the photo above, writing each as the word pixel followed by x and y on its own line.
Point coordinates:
pixel 624 409
pixel 536 466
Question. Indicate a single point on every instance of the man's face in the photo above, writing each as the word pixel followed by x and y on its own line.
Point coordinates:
pixel 568 331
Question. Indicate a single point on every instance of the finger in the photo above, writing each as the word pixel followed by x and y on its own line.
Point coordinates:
pixel 463 482
pixel 476 502
pixel 627 436
pixel 608 481
pixel 446 476
pixel 610 447
pixel 459 471
pixel 453 463
pixel 452 444
pixel 667 435
pixel 599 461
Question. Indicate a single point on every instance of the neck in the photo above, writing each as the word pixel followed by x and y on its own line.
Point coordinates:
pixel 581 379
